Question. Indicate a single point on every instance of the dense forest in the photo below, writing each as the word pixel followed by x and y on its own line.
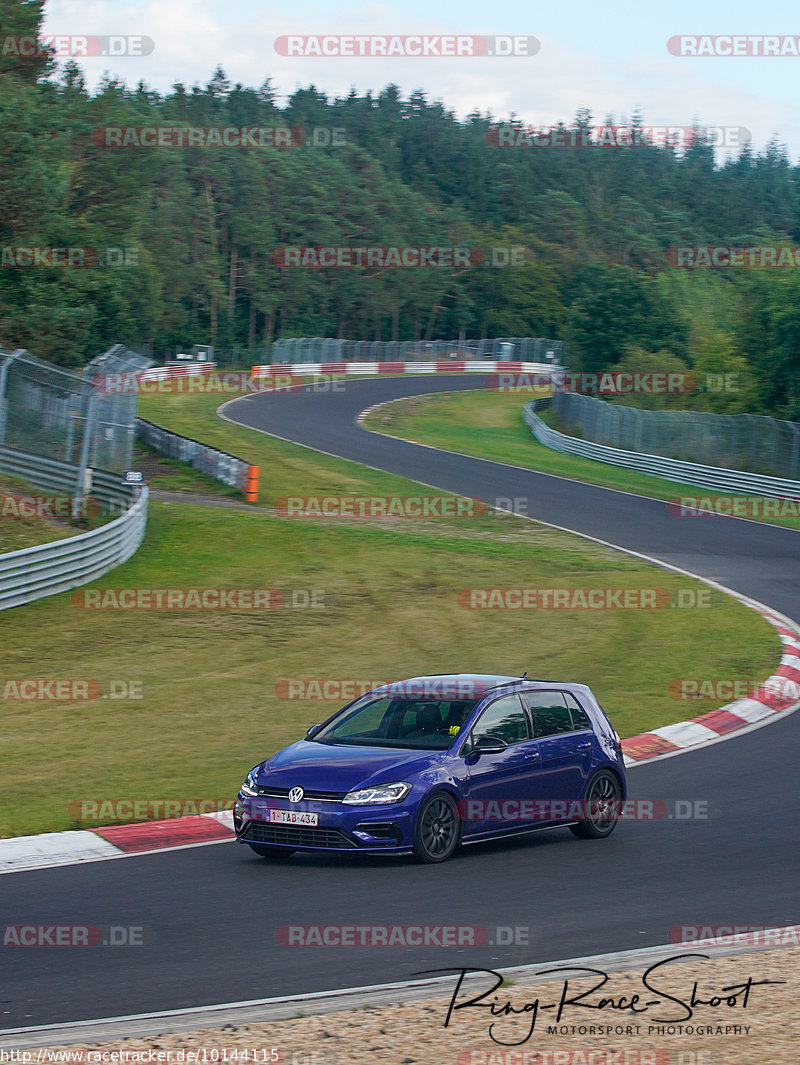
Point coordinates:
pixel 196 232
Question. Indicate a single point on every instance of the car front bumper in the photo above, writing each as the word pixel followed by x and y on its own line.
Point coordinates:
pixel 348 829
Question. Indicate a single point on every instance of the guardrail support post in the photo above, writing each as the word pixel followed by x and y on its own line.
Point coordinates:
pixel 88 430
pixel 4 368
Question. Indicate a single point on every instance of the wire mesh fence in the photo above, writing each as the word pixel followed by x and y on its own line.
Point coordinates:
pixel 327 349
pixel 49 411
pixel 113 412
pixel 756 443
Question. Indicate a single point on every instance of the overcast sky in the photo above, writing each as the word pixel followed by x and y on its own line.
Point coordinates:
pixel 611 57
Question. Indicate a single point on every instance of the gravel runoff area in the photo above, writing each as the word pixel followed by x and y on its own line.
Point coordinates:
pixel 759 1027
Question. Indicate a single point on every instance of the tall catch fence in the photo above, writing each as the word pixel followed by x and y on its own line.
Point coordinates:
pixel 63 432
pixel 113 424
pixel 55 414
pixel 750 442
pixel 327 349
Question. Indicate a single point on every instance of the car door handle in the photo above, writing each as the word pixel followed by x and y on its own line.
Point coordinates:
pixel 583 746
pixel 532 756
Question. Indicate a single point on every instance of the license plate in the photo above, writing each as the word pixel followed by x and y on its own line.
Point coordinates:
pixel 290 817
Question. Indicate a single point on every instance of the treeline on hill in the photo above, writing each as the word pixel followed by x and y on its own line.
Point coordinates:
pixel 199 228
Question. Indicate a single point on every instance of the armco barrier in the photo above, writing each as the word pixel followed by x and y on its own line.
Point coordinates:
pixel 713 477
pixel 47 569
pixel 223 467
pixel 60 477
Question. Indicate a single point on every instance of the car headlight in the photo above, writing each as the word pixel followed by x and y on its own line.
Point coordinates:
pixel 379 794
pixel 250 787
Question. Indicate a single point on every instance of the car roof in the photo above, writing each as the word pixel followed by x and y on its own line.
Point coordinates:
pixel 469 685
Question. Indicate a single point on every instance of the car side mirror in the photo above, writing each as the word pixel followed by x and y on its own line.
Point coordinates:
pixel 313 731
pixel 489 745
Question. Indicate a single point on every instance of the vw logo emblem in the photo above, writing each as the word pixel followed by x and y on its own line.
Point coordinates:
pixel 295 795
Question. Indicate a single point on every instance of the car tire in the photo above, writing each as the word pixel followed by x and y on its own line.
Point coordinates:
pixel 265 851
pixel 602 806
pixel 437 831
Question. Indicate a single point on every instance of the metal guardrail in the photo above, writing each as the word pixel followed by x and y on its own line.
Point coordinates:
pixel 222 466
pixel 102 485
pixel 714 477
pixel 35 572
pixel 330 349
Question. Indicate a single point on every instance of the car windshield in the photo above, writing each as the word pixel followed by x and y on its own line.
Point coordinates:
pixel 423 724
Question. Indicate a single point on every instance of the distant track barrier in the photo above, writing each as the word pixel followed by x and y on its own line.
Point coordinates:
pixel 484 366
pixel 222 466
pixel 716 478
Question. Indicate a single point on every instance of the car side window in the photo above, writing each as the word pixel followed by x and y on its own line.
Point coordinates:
pixel 504 719
pixel 579 717
pixel 549 712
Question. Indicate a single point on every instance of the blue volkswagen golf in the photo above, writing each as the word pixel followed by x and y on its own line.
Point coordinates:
pixel 424 765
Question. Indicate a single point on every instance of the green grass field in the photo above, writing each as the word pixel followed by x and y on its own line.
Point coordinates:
pixel 490 425
pixel 211 702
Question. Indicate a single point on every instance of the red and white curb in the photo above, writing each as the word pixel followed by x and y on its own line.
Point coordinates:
pixel 115 841
pixel 777 693
pixel 487 366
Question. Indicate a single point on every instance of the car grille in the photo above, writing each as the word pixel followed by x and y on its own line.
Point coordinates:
pixel 319 796
pixel 296 835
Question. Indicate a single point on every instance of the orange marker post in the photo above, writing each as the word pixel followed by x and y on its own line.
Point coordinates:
pixel 251 492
